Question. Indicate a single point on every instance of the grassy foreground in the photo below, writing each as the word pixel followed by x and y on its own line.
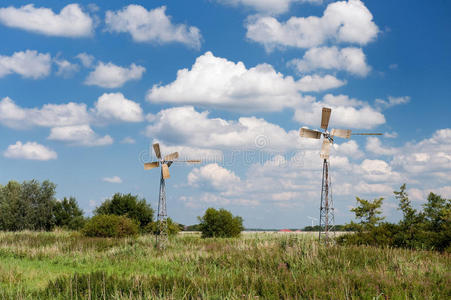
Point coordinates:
pixel 65 265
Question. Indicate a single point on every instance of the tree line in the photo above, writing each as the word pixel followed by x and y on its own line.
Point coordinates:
pixel 32 205
pixel 429 228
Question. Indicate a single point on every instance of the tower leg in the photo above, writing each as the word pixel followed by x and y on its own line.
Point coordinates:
pixel 326 215
pixel 162 236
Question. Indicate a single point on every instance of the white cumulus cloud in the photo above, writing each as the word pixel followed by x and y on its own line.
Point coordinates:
pixel 29 150
pixel 111 76
pixel 343 21
pixel 349 59
pixel 114 106
pixel 70 22
pixel 151 26
pixel 28 64
pixel 81 135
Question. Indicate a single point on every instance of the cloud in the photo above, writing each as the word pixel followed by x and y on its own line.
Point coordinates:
pixel 186 126
pixel 216 176
pixel 28 64
pixel 66 69
pixel 29 150
pixel 349 59
pixel 219 83
pixel 267 6
pixel 70 22
pixel 346 112
pixel 374 145
pixel 112 76
pixel 151 26
pixel 85 59
pixel 81 135
pixel 114 179
pixel 392 101
pixel 115 106
pixel 128 140
pixel 49 115
pixel 343 22
pixel 316 83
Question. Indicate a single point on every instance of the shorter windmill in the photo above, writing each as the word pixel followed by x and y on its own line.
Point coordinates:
pixel 164 163
pixel 313 219
pixel 326 215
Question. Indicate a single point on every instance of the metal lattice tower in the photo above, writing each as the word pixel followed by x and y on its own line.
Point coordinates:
pixel 162 237
pixel 164 163
pixel 326 212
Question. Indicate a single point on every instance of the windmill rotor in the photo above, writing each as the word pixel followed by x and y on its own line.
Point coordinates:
pixel 326 220
pixel 164 162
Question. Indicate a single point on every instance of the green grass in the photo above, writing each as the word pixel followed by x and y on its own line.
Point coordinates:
pixel 66 265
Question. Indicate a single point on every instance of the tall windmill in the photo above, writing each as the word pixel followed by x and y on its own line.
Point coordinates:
pixel 326 215
pixel 164 163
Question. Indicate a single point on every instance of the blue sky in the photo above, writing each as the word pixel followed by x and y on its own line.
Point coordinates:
pixel 86 88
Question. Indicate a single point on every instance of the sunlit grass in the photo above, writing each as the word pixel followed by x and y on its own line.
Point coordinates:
pixel 266 265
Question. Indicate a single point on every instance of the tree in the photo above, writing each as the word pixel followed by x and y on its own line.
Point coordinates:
pixel 127 205
pixel 368 212
pixel 39 202
pixel 220 223
pixel 68 214
pixel 409 214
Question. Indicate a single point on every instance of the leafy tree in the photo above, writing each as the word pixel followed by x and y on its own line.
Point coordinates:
pixel 220 223
pixel 127 205
pixel 368 212
pixel 68 214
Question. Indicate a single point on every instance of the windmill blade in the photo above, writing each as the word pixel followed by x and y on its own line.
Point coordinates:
pixel 165 170
pixel 343 133
pixel 325 118
pixel 151 165
pixel 308 133
pixel 193 161
pixel 366 133
pixel 325 149
pixel 171 156
pixel 156 148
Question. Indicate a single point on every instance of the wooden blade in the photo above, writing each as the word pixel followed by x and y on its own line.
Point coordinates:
pixel 151 165
pixel 325 117
pixel 367 134
pixel 171 156
pixel 343 133
pixel 156 148
pixel 165 170
pixel 325 149
pixel 308 133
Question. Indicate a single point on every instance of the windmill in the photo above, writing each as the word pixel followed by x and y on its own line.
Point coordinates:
pixel 326 215
pixel 164 163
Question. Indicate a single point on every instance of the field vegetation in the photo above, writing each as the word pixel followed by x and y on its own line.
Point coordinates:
pixel 68 265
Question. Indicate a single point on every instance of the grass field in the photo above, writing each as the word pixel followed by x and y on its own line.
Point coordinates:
pixel 66 265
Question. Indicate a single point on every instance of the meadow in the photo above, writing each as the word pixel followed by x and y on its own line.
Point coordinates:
pixel 67 265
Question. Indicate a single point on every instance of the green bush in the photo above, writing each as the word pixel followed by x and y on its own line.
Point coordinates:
pixel 173 228
pixel 220 223
pixel 110 226
pixel 127 205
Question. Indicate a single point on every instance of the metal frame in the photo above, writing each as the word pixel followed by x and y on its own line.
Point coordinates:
pixel 326 212
pixel 162 238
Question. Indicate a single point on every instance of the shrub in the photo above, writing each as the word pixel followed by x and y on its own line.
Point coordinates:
pixel 127 205
pixel 173 228
pixel 110 226
pixel 220 223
